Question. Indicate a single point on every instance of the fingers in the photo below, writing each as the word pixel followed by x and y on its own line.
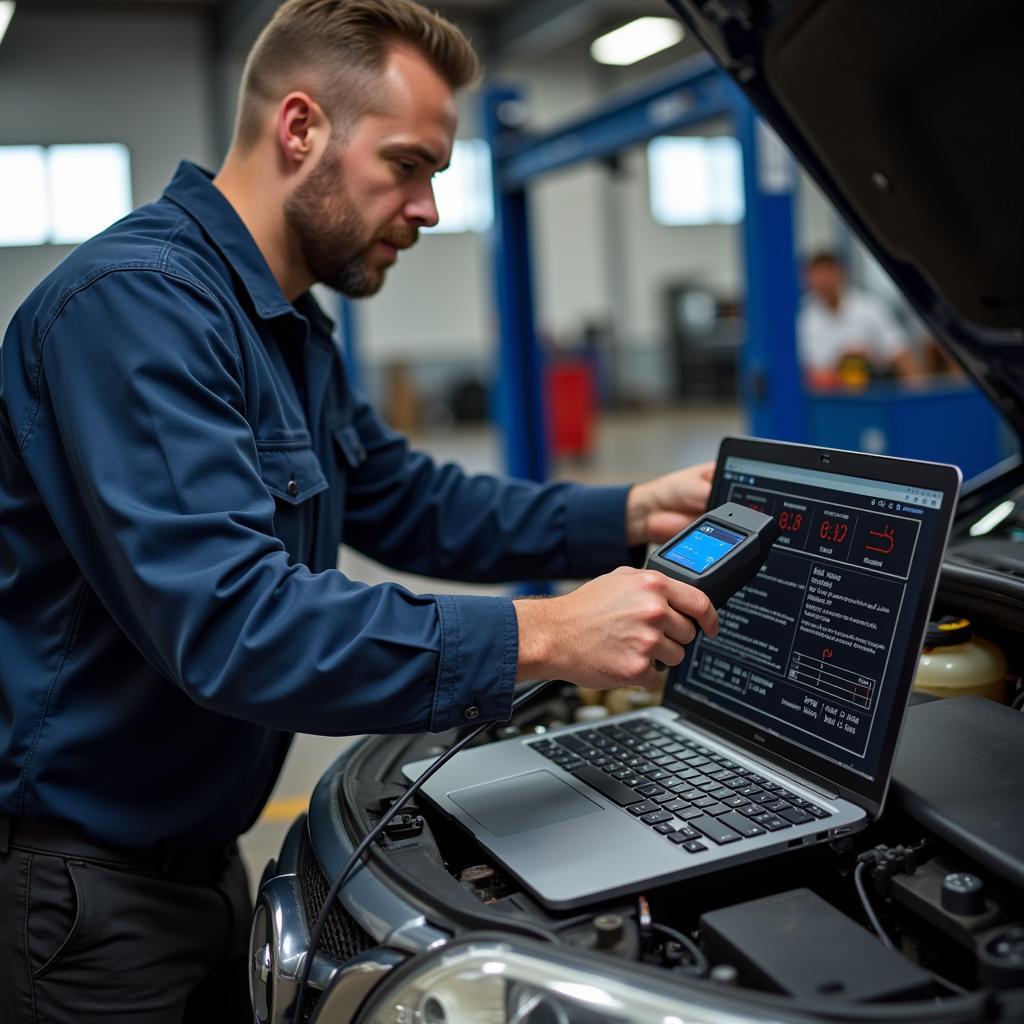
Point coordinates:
pixel 689 601
pixel 668 654
pixel 680 629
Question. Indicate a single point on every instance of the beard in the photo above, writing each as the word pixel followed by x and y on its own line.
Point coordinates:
pixel 333 236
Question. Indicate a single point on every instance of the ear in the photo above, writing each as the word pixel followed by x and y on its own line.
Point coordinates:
pixel 302 128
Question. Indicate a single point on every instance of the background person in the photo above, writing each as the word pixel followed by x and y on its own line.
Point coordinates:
pixel 846 335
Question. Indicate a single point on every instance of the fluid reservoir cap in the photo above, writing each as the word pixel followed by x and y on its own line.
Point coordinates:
pixel 948 631
pixel 963 894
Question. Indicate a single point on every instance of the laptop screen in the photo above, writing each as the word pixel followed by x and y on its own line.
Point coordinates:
pixel 815 656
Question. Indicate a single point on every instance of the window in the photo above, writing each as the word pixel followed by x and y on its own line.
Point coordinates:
pixel 463 191
pixel 61 194
pixel 695 180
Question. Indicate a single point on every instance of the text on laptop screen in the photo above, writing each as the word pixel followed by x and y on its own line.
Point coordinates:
pixel 701 548
pixel 805 650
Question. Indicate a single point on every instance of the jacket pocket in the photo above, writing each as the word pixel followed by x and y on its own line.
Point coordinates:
pixel 290 470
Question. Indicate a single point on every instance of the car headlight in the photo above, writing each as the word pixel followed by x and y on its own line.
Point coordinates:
pixel 502 982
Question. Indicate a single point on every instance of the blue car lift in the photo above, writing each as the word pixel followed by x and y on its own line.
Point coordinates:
pixel 695 92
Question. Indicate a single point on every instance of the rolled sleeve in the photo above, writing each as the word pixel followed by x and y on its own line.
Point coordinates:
pixel 478 659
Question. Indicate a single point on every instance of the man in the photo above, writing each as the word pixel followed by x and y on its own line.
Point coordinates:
pixel 843 332
pixel 180 457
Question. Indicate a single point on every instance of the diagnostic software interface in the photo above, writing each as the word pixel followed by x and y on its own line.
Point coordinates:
pixel 811 647
pixel 701 548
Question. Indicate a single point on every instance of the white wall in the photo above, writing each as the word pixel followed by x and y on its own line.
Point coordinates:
pixel 109 77
pixel 144 80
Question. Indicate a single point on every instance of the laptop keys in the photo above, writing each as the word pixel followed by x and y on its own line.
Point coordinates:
pixel 715 830
pixel 796 816
pixel 650 789
pixel 715 809
pixel 656 817
pixel 771 822
pixel 644 807
pixel 744 826
pixel 616 791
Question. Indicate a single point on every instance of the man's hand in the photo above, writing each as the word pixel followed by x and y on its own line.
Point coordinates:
pixel 659 509
pixel 610 631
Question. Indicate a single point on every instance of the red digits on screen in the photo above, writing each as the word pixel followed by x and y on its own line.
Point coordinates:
pixel 835 532
pixel 790 521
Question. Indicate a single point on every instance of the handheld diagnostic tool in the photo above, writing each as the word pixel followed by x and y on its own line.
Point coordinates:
pixel 720 552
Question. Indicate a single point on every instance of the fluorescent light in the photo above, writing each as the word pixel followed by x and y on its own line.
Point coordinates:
pixel 6 13
pixel 636 40
pixel 987 523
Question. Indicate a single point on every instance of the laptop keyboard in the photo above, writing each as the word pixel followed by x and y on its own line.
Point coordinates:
pixel 683 790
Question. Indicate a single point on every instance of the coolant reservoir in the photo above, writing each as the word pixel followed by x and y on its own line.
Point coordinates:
pixel 956 663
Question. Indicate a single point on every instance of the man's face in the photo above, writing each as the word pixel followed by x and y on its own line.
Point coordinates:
pixel 371 192
pixel 825 280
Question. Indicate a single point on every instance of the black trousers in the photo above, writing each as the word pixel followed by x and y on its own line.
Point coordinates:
pixel 91 940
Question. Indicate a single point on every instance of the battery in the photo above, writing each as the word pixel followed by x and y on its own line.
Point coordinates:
pixel 797 943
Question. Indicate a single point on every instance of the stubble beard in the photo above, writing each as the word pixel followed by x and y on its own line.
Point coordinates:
pixel 332 234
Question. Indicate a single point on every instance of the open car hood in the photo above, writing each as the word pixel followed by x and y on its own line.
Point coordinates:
pixel 909 114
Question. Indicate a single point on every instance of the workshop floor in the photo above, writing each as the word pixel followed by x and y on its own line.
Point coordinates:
pixel 629 447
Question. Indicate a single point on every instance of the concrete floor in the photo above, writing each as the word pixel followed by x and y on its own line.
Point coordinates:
pixel 629 447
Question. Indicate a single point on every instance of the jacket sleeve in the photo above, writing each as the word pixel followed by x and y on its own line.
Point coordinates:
pixel 139 444
pixel 409 513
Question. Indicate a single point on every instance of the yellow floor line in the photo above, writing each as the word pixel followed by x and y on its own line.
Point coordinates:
pixel 285 808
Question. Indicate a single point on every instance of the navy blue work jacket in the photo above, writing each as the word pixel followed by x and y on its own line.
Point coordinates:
pixel 180 458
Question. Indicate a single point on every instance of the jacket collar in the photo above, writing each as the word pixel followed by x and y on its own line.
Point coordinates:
pixel 193 190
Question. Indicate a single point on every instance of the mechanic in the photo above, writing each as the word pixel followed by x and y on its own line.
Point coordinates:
pixel 181 456
pixel 845 334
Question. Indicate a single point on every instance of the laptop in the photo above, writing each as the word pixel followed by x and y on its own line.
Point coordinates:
pixel 778 734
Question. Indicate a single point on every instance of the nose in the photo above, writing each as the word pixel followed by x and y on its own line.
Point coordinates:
pixel 421 210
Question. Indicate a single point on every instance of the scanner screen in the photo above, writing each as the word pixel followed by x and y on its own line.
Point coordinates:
pixel 703 547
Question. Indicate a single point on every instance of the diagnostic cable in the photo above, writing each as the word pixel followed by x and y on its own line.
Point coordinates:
pixel 368 839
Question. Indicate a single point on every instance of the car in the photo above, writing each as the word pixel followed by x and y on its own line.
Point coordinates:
pixel 908 117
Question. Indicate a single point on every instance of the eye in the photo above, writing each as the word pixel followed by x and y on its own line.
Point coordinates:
pixel 405 166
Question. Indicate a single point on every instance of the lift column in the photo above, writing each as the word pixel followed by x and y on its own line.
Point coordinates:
pixel 771 389
pixel 518 391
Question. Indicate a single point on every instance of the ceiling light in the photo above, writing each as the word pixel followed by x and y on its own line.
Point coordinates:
pixel 6 13
pixel 636 40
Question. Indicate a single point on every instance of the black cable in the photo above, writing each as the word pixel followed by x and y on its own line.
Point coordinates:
pixel 699 959
pixel 368 839
pixel 858 881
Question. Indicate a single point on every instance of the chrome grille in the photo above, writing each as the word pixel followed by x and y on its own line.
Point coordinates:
pixel 342 937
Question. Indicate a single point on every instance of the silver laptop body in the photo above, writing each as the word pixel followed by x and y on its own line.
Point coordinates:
pixel 779 734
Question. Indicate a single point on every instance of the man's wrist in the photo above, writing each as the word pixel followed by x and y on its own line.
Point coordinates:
pixel 638 508
pixel 537 619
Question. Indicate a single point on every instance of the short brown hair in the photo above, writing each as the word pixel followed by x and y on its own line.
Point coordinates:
pixel 823 258
pixel 334 48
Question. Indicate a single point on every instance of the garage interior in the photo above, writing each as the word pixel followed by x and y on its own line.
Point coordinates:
pixel 572 321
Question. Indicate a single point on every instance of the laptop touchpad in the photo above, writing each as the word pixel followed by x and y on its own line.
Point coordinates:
pixel 523 802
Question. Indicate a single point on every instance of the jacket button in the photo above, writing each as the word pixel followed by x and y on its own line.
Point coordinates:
pixel 472 711
pixel 293 488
